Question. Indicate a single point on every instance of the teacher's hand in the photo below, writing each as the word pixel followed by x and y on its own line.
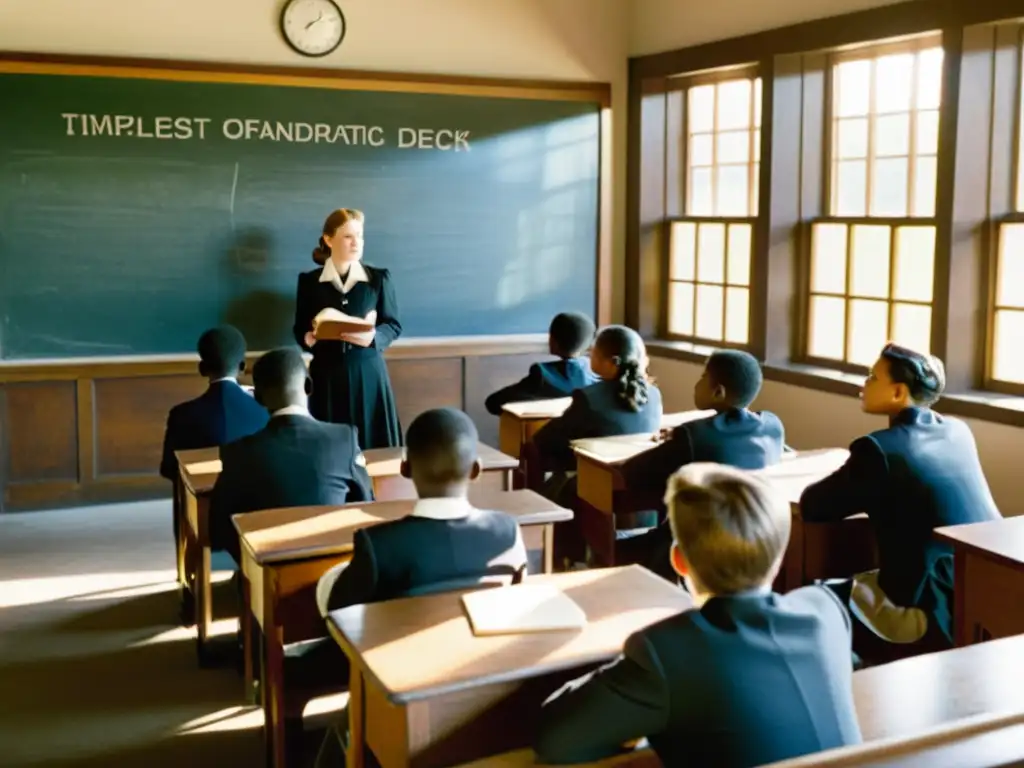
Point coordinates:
pixel 363 339
pixel 310 338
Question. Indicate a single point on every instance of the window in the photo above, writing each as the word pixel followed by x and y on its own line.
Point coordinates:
pixel 1007 362
pixel 710 247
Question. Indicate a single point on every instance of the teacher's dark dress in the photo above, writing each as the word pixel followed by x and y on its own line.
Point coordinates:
pixel 350 383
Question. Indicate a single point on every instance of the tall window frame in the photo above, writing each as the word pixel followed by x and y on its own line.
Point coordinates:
pixel 709 247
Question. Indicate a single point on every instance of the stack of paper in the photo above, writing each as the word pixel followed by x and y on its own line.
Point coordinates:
pixel 522 608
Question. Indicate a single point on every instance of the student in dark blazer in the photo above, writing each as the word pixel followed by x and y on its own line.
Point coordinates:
pixel 920 473
pixel 746 677
pixel 294 461
pixel 444 543
pixel 735 436
pixel 569 337
pixel 224 412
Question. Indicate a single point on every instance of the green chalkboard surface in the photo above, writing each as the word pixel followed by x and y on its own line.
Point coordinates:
pixel 135 213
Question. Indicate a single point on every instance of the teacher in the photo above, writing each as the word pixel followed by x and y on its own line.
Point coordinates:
pixel 350 377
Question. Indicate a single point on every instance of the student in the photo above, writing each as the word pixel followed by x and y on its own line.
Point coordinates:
pixel 746 677
pixel 224 412
pixel 569 336
pixel 444 544
pixel 623 402
pixel 294 461
pixel 919 473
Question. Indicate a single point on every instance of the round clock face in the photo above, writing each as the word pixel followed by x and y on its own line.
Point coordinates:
pixel 313 27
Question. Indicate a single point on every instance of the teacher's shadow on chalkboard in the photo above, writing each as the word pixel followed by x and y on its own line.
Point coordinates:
pixel 262 312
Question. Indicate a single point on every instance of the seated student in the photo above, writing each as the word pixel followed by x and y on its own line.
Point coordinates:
pixel 569 336
pixel 919 473
pixel 224 412
pixel 744 678
pixel 444 544
pixel 623 402
pixel 294 461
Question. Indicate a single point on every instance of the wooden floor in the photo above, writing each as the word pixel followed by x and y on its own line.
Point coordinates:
pixel 93 670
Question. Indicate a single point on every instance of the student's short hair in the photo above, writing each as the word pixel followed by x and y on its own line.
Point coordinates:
pixel 572 332
pixel 924 375
pixel 730 526
pixel 279 370
pixel 221 350
pixel 737 371
pixel 441 444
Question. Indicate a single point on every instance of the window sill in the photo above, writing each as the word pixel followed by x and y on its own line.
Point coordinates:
pixel 984 406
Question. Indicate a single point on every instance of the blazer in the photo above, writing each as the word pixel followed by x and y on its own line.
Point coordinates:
pixel 224 412
pixel 295 461
pixel 921 473
pixel 376 293
pixel 443 540
pixel 596 411
pixel 558 378
pixel 736 437
pixel 745 680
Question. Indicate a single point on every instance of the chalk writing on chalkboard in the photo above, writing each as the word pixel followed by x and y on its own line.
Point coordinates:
pixel 235 129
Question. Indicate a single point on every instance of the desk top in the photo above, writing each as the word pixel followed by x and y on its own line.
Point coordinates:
pixel 294 533
pixel 800 469
pixel 1002 540
pixel 392 639
pixel 538 409
pixel 200 467
pixel 912 695
pixel 620 448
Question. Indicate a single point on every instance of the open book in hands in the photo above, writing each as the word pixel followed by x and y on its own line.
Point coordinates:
pixel 332 325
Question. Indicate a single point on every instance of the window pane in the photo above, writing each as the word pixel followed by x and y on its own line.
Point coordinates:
pixel 894 79
pixel 734 147
pixel 702 201
pixel 739 254
pixel 828 258
pixel 852 138
pixel 929 79
pixel 1007 362
pixel 925 170
pixel 711 253
pixel 915 264
pixel 733 198
pixel 737 309
pixel 683 254
pixel 892 136
pixel 928 133
pixel 701 115
pixel 869 330
pixel 1010 282
pixel 869 271
pixel 850 187
pixel 827 327
pixel 734 104
pixel 757 102
pixel 710 311
pixel 680 319
pixel 889 188
pixel 912 326
pixel 702 150
pixel 853 88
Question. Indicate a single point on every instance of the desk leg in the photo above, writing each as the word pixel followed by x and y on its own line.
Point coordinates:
pixel 598 530
pixel 187 607
pixel 355 755
pixel 508 481
pixel 248 623
pixel 549 548
pixel 272 680
pixel 961 630
pixel 204 603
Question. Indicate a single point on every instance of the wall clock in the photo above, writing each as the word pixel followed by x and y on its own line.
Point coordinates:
pixel 313 27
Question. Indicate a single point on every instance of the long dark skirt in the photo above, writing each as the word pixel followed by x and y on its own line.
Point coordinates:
pixel 353 387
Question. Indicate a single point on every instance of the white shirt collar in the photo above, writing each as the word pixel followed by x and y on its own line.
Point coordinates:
pixel 356 274
pixel 224 378
pixel 291 410
pixel 454 508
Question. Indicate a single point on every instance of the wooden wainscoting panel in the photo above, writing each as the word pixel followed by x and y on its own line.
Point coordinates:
pixel 42 436
pixel 485 375
pixel 131 414
pixel 424 384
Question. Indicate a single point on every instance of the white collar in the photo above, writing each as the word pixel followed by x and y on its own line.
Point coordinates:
pixel 454 508
pixel 356 274
pixel 224 378
pixel 291 410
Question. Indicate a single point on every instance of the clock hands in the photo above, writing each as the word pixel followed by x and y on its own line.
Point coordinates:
pixel 317 20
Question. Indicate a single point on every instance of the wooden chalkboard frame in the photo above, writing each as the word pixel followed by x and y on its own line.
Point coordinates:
pixel 340 79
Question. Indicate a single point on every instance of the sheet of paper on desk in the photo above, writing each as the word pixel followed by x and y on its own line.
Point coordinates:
pixel 521 609
pixel 331 323
pixel 212 467
pixel 539 408
pixel 614 449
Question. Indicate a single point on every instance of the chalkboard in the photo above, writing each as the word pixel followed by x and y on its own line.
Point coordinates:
pixel 135 213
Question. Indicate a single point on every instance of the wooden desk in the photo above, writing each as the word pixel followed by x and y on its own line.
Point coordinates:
pixel 988 568
pixel 525 758
pixel 426 692
pixel 286 551
pixel 383 465
pixel 519 422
